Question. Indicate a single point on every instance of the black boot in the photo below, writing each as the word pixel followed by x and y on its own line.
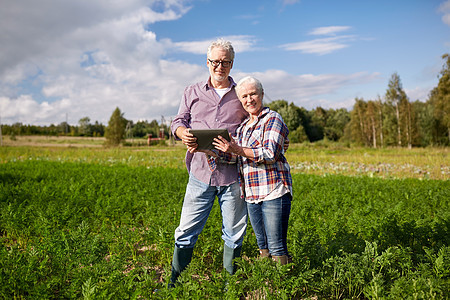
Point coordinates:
pixel 181 259
pixel 229 255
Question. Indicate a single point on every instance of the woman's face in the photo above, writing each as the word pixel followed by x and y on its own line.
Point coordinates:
pixel 251 99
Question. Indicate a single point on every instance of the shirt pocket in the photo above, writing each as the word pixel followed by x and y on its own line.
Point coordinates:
pixel 199 124
pixel 254 138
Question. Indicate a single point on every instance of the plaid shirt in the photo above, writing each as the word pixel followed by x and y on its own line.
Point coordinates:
pixel 268 138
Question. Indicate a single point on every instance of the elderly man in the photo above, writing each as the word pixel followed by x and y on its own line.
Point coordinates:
pixel 207 105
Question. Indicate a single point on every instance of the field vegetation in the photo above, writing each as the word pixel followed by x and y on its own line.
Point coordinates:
pixel 82 221
pixel 318 158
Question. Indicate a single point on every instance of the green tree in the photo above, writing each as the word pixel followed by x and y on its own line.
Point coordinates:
pixel 366 123
pixel 115 132
pixel 64 128
pixel 379 105
pixel 98 129
pixel 143 128
pixel 360 131
pixel 440 100
pixel 372 120
pixel 289 112
pixel 85 126
pixel 395 99
pixel 314 124
pixel 409 124
pixel 335 124
pixel 292 116
pixel 298 135
pixel 425 122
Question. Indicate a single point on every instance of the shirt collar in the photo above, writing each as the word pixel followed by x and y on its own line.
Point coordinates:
pixel 207 84
pixel 263 112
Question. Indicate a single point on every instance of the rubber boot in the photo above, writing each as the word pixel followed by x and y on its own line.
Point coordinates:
pixel 283 259
pixel 229 255
pixel 181 259
pixel 264 253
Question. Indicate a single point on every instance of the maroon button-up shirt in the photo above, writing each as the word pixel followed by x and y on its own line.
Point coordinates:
pixel 202 108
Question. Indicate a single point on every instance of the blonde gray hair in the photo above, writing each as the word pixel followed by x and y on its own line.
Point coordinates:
pixel 250 80
pixel 221 43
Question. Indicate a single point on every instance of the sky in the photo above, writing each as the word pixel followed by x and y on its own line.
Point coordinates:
pixel 63 60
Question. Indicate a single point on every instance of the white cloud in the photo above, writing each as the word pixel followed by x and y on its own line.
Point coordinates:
pixel 290 2
pixel 115 63
pixel 253 19
pixel 24 107
pixel 325 45
pixel 87 58
pixel 320 46
pixel 445 9
pixel 418 93
pixel 309 90
pixel 330 30
pixel 32 31
pixel 241 43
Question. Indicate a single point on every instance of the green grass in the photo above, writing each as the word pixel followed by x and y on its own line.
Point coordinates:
pixel 79 223
pixel 318 159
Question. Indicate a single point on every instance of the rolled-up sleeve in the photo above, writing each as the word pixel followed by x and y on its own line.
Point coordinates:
pixel 183 117
pixel 275 134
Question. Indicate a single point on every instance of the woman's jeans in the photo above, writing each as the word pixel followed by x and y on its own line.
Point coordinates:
pixel 269 221
pixel 197 205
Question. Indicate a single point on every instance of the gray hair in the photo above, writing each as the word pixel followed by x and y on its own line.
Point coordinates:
pixel 221 43
pixel 250 80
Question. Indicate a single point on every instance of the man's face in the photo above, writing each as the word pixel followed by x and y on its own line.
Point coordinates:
pixel 219 73
pixel 251 99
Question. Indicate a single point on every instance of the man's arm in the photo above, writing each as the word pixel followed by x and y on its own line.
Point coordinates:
pixel 180 125
pixel 186 137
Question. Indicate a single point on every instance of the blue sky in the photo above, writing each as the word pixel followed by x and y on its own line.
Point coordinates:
pixel 73 59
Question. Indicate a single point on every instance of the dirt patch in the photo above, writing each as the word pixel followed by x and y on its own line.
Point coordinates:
pixel 70 141
pixel 54 141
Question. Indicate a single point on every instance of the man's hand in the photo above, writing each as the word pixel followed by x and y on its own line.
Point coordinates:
pixel 187 138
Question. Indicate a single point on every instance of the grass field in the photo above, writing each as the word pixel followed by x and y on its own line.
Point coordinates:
pixel 96 223
pixel 318 158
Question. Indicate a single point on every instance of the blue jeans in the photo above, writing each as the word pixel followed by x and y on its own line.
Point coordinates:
pixel 197 205
pixel 269 221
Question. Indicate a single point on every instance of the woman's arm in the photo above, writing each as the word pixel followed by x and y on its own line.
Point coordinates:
pixel 231 147
pixel 268 150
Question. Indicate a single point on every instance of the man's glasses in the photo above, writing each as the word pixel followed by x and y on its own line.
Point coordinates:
pixel 216 63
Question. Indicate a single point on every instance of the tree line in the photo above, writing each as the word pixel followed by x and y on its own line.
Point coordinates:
pixel 85 128
pixel 391 120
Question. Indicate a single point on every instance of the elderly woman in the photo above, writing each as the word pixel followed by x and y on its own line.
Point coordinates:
pixel 266 183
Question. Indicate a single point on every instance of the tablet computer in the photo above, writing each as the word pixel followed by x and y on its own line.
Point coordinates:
pixel 205 137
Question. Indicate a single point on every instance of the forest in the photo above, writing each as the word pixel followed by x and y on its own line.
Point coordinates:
pixel 390 120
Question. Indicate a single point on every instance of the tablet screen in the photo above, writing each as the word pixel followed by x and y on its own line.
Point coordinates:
pixel 205 137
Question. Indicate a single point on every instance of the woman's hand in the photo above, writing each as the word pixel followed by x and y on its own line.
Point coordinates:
pixel 223 145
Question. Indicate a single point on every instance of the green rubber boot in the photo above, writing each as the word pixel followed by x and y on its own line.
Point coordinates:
pixel 229 255
pixel 181 259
